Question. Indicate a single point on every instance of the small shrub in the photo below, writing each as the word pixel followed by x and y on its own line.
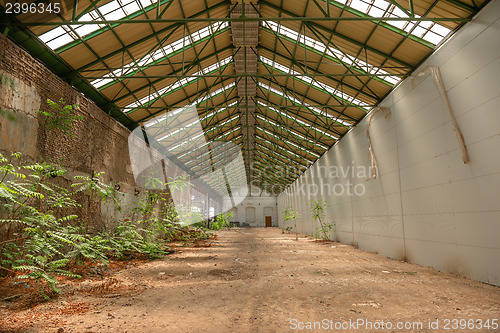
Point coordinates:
pixel 60 116
pixel 221 221
pixel 291 215
pixel 317 211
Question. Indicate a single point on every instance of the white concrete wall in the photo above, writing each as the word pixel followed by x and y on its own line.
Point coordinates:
pixel 259 204
pixel 426 205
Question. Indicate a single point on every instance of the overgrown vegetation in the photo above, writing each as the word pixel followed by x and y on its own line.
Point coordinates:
pixel 44 236
pixel 317 212
pixel 221 221
pixel 60 116
pixel 291 215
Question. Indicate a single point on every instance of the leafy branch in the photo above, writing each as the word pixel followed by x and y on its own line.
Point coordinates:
pixel 60 116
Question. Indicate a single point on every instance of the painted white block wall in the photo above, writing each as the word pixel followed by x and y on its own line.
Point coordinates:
pixel 426 206
pixel 261 206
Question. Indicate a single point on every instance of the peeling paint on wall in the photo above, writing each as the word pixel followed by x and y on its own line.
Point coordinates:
pixel 19 103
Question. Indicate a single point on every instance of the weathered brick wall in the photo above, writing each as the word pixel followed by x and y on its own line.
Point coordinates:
pixel 99 142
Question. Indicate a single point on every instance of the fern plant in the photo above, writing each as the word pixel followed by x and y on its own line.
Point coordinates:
pixel 42 271
pixel 98 192
pixel 41 241
pixel 44 235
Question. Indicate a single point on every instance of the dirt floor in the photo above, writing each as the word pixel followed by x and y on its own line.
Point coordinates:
pixel 260 280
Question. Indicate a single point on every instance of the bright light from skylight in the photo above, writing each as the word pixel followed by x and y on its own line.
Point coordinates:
pixel 286 150
pixel 335 53
pixel 199 135
pixel 180 83
pixel 274 152
pixel 213 94
pixel 217 155
pixel 287 141
pixel 114 10
pixel 429 31
pixel 221 136
pixel 160 54
pixel 284 114
pixel 213 113
pixel 315 83
pixel 297 101
pixel 298 135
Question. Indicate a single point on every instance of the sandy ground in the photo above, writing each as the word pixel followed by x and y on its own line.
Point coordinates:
pixel 260 280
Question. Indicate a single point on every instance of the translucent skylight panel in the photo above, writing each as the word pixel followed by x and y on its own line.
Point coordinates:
pixel 432 38
pixel 186 127
pixel 317 84
pixel 392 79
pixel 155 56
pixel 376 12
pixel 297 101
pixel 288 151
pixel 419 31
pixel 317 45
pixel 287 141
pixel 182 82
pixel 194 138
pixel 274 152
pixel 408 27
pixel 440 30
pixel 115 15
pixel 110 11
pixel 284 114
pixel 211 95
pixel 215 161
pixel 57 37
pixel 132 7
pixel 146 3
pixel 213 113
pixel 199 135
pixel 398 24
pixel 100 82
pixel 359 5
pixel 226 121
pixel 109 7
pixel 425 24
pixel 221 136
pixel 208 152
pixel 86 29
pixel 382 4
pixel 397 12
pixel 275 124
pixel 381 8
pixel 51 34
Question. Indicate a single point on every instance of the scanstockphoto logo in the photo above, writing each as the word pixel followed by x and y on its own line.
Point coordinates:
pixel 204 179
pixel 319 180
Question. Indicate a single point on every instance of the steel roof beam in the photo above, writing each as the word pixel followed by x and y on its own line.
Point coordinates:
pixel 245 19
pixel 175 26
pixel 183 102
pixel 325 106
pixel 286 143
pixel 180 70
pixel 349 18
pixel 311 127
pixel 291 136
